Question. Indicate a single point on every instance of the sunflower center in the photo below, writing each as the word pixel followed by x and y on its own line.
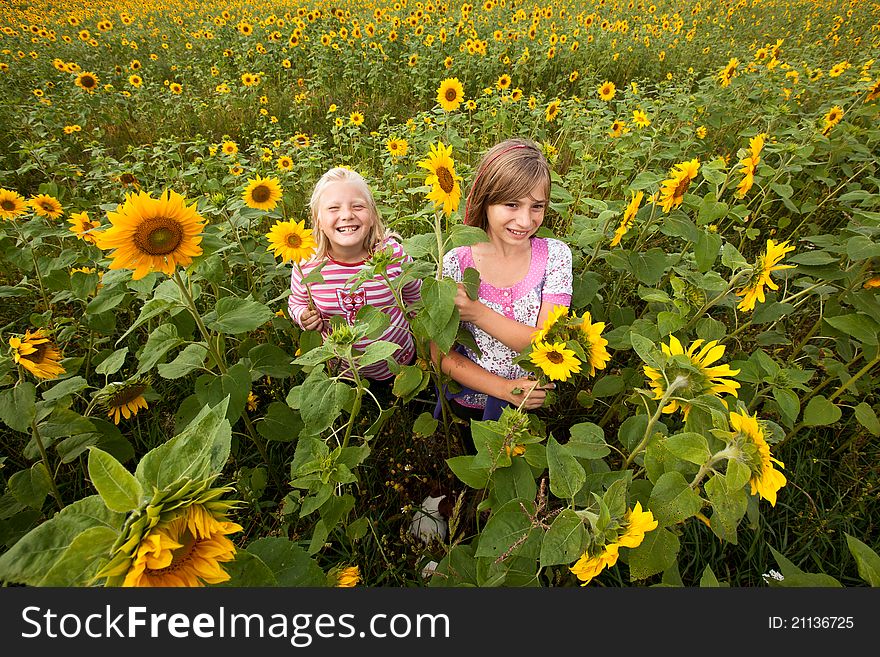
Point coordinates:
pixel 451 94
pixel 128 179
pixel 127 395
pixel 681 188
pixel 158 235
pixel 7 204
pixel 181 556
pixel 445 179
pixel 47 206
pixel 555 357
pixel 261 193
pixel 88 81
pixel 294 241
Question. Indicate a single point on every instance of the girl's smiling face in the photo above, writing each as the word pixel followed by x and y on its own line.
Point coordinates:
pixel 514 222
pixel 346 219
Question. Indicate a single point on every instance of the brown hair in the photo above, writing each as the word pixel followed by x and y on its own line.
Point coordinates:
pixel 508 171
pixel 341 174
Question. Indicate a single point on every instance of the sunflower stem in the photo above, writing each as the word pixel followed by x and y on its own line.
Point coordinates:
pixel 38 439
pixel 679 382
pixel 206 334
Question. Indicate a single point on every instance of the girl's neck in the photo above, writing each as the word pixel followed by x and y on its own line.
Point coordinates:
pixel 348 255
pixel 500 249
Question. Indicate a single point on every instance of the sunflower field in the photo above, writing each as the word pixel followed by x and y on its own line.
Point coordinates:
pixel 163 422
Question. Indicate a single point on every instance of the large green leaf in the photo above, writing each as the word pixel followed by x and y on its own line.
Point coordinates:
pixel 672 500
pixel 587 441
pixel 654 555
pixel 866 559
pixel 17 406
pixel 78 564
pixel 463 467
pixel 31 486
pixel 281 424
pixel 795 577
pixel 163 339
pixel 271 360
pixel 290 564
pixel 567 476
pixel 234 315
pixel 565 541
pixel 322 400
pixel 120 490
pixel 729 504
pixel 820 412
pixel 190 358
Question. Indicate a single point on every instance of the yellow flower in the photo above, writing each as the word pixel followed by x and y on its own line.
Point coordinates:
pixel 641 119
pixel 588 567
pixel 87 81
pixel 81 226
pixel 301 140
pixel 556 361
pixel 672 189
pixel 153 234
pixel 135 80
pixel 766 480
pixel 12 204
pixel 607 91
pixel 36 353
pixel 871 283
pixel 291 241
pixel 597 355
pixel 45 205
pixel 397 147
pixel 832 118
pixel 617 129
pixel 348 577
pixel 450 94
pixel 124 399
pixel 503 82
pixel 356 118
pixel 552 110
pixel 637 523
pixel 262 193
pixel 748 165
pixel 445 188
pixel 252 401
pixel 229 147
pixel 186 550
pixel 284 163
pixel 557 312
pixel 766 264
pixel 706 380
pixel 629 216
pixel 701 132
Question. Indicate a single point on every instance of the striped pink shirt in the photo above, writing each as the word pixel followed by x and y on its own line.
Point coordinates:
pixel 333 297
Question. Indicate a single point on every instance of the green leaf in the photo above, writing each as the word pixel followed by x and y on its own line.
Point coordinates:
pixel 66 387
pixel 691 447
pixel 105 301
pixel 471 282
pixel 706 249
pixel 119 489
pixel 608 385
pixel 28 561
pixel 235 385
pixel 113 362
pixel 290 563
pixel 587 441
pixel 281 424
pixel 788 402
pixel 820 412
pixel 78 564
pixel 867 418
pixel 321 401
pixel 438 299
pixel 248 570
pixel 860 326
pixel 233 315
pixel 654 555
pixel 407 381
pixel 18 406
pixel 463 468
pixel 162 340
pixel 197 452
pixel 190 358
pixel 729 504
pixel 376 351
pixel 669 322
pixel 425 425
pixel 794 576
pixel 649 266
pixel 514 482
pixel 271 360
pixel 565 541
pixel 456 569
pixel 672 500
pixel 31 486
pixel 866 559
pixel 567 476
pixel 645 348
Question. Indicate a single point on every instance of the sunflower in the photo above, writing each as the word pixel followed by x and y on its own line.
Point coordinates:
pixel 12 204
pixel 748 165
pixel 248 79
pixel 153 234
pixel 348 577
pixel 701 132
pixel 175 88
pixel 445 188
pixel 700 379
pixel 672 189
pixel 124 398
pixel 450 94
pixel 874 91
pixel 81 226
pixel 832 118
pixel 556 361
pixel 637 523
pixel 606 91
pixel 766 480
pixel 135 80
pixel 503 82
pixel 284 163
pixel 300 140
pixel 186 550
pixel 229 147
pixel 46 206
pixel 86 80
pixel 558 311
pixel 617 129
pixel 597 355
pixel 291 240
pixel 356 118
pixel 641 119
pixel 397 147
pixel 629 216
pixel 767 263
pixel 262 193
pixel 36 353
pixel 252 401
pixel 588 567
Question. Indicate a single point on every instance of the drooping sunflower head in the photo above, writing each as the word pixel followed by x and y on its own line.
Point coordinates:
pixel 590 566
pixel 766 264
pixel 450 94
pixel 47 206
pixel 348 577
pixel 12 204
pixel 291 241
pixel 672 190
pixel 552 110
pixel 262 193
pixel 636 522
pixel 153 234
pixel 557 361
pixel 558 311
pixel 36 353
pixel 125 398
pixel 697 377
pixel 766 480
pixel 445 188
pixel 87 80
pixel 593 343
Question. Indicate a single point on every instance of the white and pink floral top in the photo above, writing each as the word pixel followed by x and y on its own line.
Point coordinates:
pixel 549 279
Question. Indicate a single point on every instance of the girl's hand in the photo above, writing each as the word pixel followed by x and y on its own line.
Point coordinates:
pixel 468 309
pixel 311 320
pixel 530 390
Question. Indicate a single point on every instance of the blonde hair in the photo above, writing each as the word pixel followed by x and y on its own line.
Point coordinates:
pixel 508 171
pixel 377 232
